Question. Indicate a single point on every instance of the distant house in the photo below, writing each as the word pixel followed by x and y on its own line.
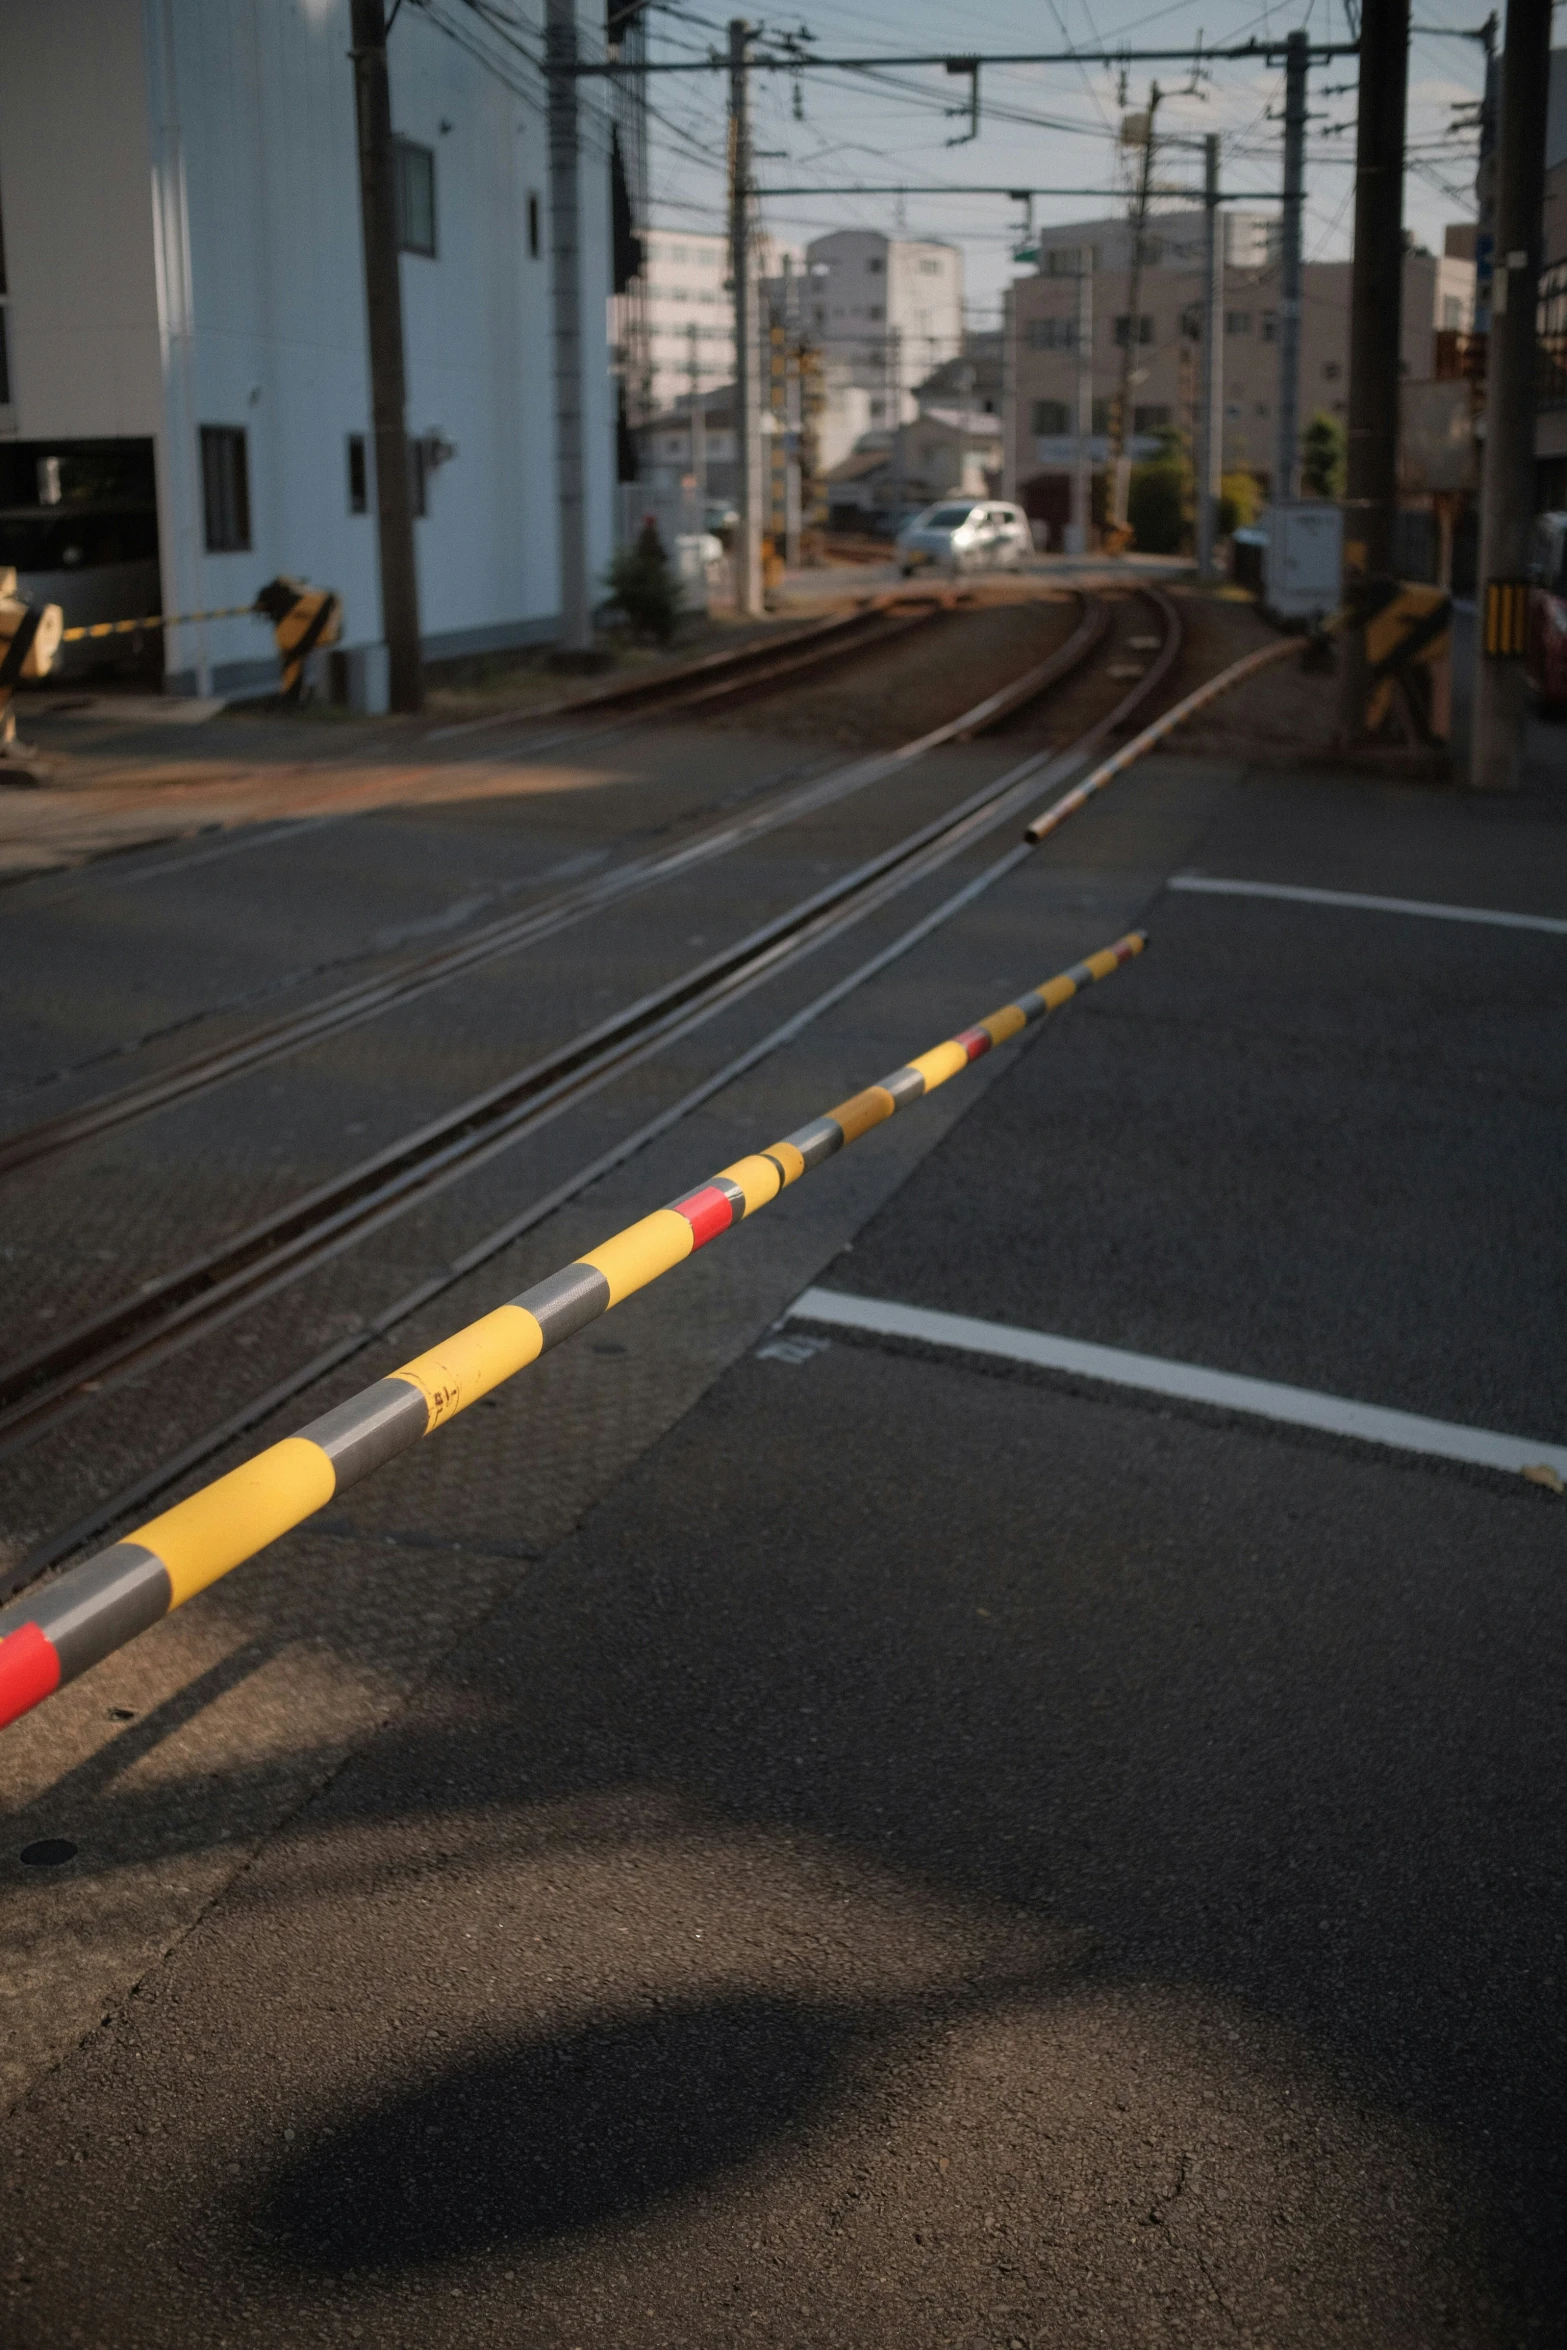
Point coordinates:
pixel 944 452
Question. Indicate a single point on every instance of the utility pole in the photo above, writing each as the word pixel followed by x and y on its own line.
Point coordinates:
pixel 893 378
pixel 1011 422
pixel 1286 471
pixel 698 428
pixel 1376 290
pixel 748 541
pixel 1210 463
pixel 1507 472
pixel 560 56
pixel 1122 480
pixel 388 391
pixel 792 416
pixel 1082 453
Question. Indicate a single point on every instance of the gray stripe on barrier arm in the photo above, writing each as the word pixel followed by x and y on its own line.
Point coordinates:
pixel 817 1141
pixel 731 1191
pixel 98 1606
pixel 566 1301
pixel 905 1085
pixel 372 1427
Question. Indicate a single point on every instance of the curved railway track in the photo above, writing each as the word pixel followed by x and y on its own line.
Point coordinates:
pixel 63 1379
pixel 417 974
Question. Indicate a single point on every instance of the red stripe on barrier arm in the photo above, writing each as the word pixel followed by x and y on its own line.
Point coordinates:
pixel 708 1212
pixel 29 1672
pixel 974 1042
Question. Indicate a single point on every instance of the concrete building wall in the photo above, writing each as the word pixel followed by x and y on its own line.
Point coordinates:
pixel 180 196
pixel 890 309
pixel 1168 363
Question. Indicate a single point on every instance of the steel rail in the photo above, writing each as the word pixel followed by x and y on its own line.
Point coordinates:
pixel 417 974
pixel 58 1380
pixel 106 1601
pixel 117 1508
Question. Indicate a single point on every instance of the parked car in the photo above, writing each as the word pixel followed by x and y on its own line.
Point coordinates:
pixel 1545 640
pixel 965 535
pixel 96 563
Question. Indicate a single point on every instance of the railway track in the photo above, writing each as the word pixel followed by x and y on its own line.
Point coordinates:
pixel 418 973
pixel 60 1381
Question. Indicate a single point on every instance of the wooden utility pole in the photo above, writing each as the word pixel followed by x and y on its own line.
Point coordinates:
pixel 747 558
pixel 1121 478
pixel 1210 463
pixel 1376 294
pixel 1082 452
pixel 1507 475
pixel 388 390
pixel 1286 470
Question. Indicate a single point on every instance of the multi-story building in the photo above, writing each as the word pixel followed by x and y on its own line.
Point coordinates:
pixel 688 313
pixel 185 312
pixel 1165 342
pixel 888 308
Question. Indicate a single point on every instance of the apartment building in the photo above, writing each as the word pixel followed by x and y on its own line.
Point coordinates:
pixel 1166 353
pixel 688 313
pixel 185 312
pixel 889 309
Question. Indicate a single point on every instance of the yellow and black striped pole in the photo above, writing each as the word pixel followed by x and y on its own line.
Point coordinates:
pixel 49 1637
pixel 303 619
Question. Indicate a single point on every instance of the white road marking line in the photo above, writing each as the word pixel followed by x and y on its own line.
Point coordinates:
pixel 1267 1399
pixel 1201 884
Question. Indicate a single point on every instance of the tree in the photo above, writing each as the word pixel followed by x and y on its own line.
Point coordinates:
pixel 1322 457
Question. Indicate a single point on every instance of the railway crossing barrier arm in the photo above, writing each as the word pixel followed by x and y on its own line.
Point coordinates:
pixel 303 618
pixel 59 1631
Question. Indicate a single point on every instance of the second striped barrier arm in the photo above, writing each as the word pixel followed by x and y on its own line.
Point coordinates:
pixel 52 1635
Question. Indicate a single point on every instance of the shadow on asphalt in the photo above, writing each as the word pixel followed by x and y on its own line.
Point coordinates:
pixel 565 2134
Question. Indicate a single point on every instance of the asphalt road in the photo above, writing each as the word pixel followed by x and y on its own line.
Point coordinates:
pixel 895 1849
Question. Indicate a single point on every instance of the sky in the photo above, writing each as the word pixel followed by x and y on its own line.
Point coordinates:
pixel 1051 125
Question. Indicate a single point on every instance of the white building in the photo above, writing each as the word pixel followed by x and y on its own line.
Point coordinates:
pixel 888 308
pixel 689 311
pixel 1171 240
pixel 179 189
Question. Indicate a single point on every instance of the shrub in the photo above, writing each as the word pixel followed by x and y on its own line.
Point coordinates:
pixel 1237 503
pixel 1322 457
pixel 643 586
pixel 1156 508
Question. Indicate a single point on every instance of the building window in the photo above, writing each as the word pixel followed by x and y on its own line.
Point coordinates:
pixel 415 169
pixel 1332 372
pixel 1101 416
pixel 930 269
pixel 876 311
pixel 358 475
pixel 533 228
pixel 1452 314
pixel 1270 326
pixel 1051 418
pixel 1123 328
pixel 1065 260
pixel 1237 322
pixel 1052 334
pixel 225 488
pixel 1151 419
pixel 874 266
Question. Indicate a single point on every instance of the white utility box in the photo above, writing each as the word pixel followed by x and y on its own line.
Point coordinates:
pixel 1305 559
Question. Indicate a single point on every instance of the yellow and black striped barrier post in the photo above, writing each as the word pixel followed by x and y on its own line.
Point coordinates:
pixel 303 620
pixel 30 636
pixel 1505 629
pixel 92 1609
